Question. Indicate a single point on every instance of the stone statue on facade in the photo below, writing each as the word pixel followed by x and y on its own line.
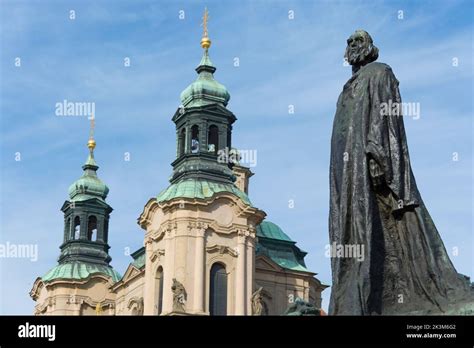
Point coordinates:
pixel 179 296
pixel 257 302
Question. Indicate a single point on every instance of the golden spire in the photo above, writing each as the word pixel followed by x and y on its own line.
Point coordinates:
pixel 205 41
pixel 91 142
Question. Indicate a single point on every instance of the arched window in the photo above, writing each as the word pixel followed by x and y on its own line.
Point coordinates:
pixel 218 290
pixel 181 141
pixel 92 228
pixel 77 228
pixel 194 139
pixel 213 139
pixel 159 290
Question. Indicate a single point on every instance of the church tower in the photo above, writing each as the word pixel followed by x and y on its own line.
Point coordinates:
pixel 86 217
pixel 78 284
pixel 201 231
pixel 203 127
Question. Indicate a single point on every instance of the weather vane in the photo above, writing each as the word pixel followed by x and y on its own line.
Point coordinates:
pixel 91 133
pixel 91 142
pixel 205 41
pixel 204 22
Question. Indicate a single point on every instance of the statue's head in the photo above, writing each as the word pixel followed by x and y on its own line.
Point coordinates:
pixel 360 49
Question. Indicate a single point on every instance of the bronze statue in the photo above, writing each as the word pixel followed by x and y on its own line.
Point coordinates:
pixel 374 202
pixel 302 308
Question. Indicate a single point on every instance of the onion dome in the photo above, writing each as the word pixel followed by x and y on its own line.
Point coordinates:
pixel 89 185
pixel 205 90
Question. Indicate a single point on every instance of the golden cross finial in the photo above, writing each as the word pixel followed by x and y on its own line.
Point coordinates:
pixel 205 41
pixel 91 142
pixel 204 22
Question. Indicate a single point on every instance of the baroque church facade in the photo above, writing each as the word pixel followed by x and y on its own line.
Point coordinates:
pixel 207 249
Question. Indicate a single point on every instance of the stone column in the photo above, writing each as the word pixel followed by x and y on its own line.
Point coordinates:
pixel 222 133
pixel 83 226
pixel 187 140
pixel 240 279
pixel 70 235
pixel 149 286
pixel 100 228
pixel 203 136
pixel 67 229
pixel 106 229
pixel 250 271
pixel 168 272
pixel 178 142
pixel 199 263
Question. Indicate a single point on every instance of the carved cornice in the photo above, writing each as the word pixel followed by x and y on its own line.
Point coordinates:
pixel 35 290
pixel 221 249
pixel 106 303
pixel 42 306
pixel 246 232
pixel 156 235
pixel 144 220
pixel 234 201
pixel 197 228
pixel 136 301
pixel 156 255
pixel 166 230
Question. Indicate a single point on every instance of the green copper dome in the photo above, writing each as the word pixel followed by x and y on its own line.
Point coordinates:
pixel 89 185
pixel 79 271
pixel 205 90
pixel 200 189
pixel 275 244
pixel 268 229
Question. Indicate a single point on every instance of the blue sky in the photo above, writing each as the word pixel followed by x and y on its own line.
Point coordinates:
pixel 282 62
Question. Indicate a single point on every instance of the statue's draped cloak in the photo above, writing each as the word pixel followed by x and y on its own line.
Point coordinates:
pixel 405 266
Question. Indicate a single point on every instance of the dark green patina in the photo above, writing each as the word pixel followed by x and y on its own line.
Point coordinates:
pixel 275 244
pixel 84 251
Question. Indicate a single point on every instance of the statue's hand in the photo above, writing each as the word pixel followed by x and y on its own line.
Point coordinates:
pixel 376 174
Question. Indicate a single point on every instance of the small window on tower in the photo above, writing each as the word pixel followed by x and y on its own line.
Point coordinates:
pixel 213 139
pixel 77 227
pixel 92 228
pixel 195 139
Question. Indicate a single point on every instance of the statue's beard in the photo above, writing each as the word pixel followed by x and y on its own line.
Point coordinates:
pixel 356 56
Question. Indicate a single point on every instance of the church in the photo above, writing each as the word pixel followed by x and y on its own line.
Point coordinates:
pixel 207 249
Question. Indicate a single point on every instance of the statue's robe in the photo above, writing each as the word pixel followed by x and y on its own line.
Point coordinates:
pixel 405 267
